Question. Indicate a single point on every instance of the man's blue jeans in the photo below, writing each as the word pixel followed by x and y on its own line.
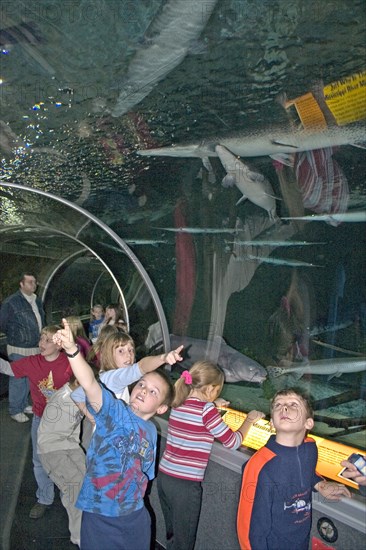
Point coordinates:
pixel 18 390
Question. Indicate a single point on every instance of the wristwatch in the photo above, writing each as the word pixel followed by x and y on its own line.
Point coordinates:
pixel 75 352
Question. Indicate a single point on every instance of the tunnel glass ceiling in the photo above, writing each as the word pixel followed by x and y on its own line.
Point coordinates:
pixel 85 85
pixel 78 259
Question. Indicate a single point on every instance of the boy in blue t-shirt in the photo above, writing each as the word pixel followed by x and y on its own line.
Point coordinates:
pixel 121 458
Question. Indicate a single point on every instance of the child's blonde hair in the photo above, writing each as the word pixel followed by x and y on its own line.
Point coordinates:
pixel 111 342
pixel 96 306
pixel 76 327
pixel 105 331
pixel 203 374
pixel 50 329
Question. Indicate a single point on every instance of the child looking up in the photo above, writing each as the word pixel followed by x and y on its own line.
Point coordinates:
pixel 46 371
pixel 117 365
pixel 193 425
pixel 96 320
pixel 275 503
pixel 118 368
pixel 59 431
pixel 121 457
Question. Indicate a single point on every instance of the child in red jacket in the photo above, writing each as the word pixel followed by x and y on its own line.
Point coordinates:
pixel 46 371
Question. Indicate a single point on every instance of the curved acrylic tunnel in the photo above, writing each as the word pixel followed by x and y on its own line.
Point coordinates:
pixel 78 260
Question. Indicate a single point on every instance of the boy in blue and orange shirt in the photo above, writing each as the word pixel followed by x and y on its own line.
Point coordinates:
pixel 275 504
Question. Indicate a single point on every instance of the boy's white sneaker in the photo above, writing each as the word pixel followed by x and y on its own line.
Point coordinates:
pixel 20 417
pixel 28 409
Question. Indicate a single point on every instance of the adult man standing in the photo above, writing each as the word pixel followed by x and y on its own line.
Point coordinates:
pixel 21 320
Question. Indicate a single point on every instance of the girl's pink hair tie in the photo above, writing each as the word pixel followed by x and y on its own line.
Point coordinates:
pixel 187 377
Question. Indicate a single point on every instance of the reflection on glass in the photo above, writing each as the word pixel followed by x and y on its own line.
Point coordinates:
pixel 272 282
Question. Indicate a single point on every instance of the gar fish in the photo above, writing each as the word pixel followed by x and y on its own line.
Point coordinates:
pixel 172 34
pixel 268 141
pixel 199 230
pixel 274 243
pixel 145 242
pixel 329 328
pixel 331 367
pixel 279 261
pixel 253 185
pixel 134 242
pixel 351 217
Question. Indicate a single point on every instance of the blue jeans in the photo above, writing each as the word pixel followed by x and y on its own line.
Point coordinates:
pixel 18 390
pixel 132 531
pixel 45 487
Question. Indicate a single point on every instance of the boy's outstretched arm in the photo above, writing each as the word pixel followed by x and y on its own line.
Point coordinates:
pixel 153 362
pixel 80 367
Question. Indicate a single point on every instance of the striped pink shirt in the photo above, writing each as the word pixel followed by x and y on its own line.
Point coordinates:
pixel 192 428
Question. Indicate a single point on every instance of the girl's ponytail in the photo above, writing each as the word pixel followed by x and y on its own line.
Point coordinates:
pixel 182 388
pixel 202 374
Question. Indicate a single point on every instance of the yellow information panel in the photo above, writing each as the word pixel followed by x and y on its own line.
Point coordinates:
pixel 330 453
pixel 346 98
pixel 309 111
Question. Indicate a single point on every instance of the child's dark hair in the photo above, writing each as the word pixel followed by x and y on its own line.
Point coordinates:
pixel 118 312
pixel 203 374
pixel 76 326
pixel 164 375
pixel 170 393
pixel 304 396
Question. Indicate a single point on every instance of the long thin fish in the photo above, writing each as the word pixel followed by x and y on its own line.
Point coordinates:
pixel 331 367
pixel 267 141
pixel 350 217
pixel 198 230
pixel 274 243
pixel 337 348
pixel 280 261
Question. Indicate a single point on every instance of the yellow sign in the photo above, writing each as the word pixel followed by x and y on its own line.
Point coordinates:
pixel 346 98
pixel 330 453
pixel 309 112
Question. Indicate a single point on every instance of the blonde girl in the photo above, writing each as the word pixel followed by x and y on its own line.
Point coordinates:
pixel 113 350
pixel 194 423
pixel 94 356
pixel 117 350
pixel 118 368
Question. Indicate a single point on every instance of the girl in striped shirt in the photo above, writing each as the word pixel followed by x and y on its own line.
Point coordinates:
pixel 194 423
